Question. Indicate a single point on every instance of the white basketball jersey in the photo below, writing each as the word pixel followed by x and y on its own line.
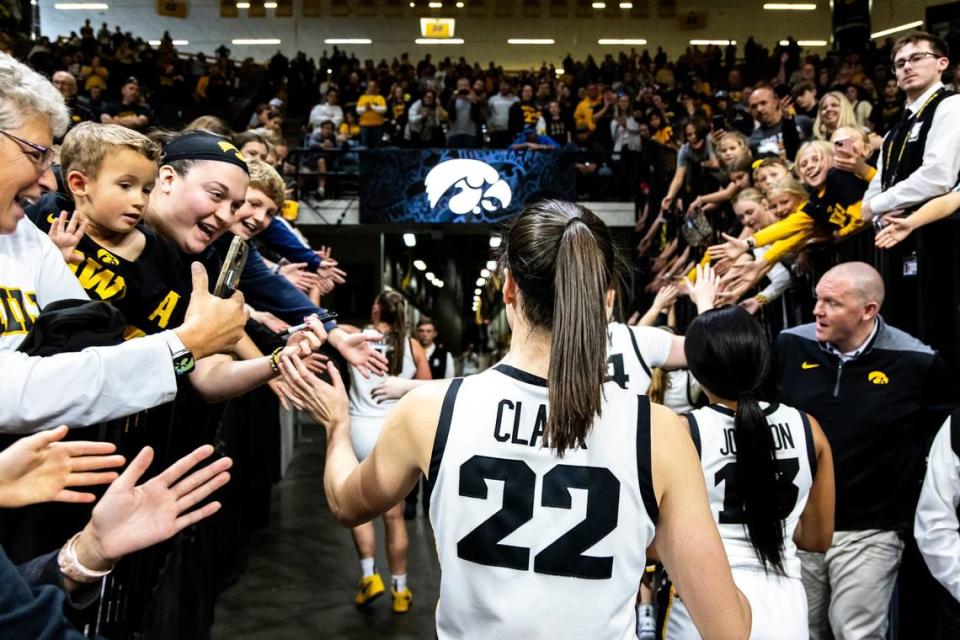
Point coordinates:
pixel 531 545
pixel 362 404
pixel 632 352
pixel 713 434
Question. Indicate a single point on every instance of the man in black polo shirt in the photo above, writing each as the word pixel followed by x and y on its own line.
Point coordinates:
pixel 879 394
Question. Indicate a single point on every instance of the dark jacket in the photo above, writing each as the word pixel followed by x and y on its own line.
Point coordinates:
pixel 878 411
pixel 32 600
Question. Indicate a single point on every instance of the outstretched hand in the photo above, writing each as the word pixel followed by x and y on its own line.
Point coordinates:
pixel 326 403
pixel 703 292
pixel 357 349
pixel 895 232
pixel 732 249
pixel 132 517
pixel 39 468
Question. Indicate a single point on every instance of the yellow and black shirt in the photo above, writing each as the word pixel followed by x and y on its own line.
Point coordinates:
pixel 152 291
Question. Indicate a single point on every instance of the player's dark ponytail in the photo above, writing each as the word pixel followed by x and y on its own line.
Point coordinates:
pixel 563 259
pixel 728 353
pixel 393 311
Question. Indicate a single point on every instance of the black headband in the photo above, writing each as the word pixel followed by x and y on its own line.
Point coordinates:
pixel 200 145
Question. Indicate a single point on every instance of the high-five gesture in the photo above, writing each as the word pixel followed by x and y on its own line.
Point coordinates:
pixel 39 468
pixel 132 517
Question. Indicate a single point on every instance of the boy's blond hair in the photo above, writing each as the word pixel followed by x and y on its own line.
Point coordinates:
pixel 87 144
pixel 266 179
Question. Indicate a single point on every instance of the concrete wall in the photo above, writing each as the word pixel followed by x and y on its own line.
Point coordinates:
pixel 485 35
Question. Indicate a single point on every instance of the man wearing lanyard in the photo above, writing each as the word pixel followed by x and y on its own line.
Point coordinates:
pixel 919 161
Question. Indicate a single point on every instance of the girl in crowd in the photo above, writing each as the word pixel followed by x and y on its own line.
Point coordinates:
pixel 769 476
pixel 835 111
pixel 552 420
pixel 367 413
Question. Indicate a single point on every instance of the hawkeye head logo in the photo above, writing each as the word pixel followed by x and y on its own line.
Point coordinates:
pixel 107 258
pixel 479 186
pixel 878 377
pixel 228 147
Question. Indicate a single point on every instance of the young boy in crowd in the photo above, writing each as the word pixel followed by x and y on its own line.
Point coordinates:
pixel 109 171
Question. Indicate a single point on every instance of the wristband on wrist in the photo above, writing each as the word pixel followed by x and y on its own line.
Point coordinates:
pixel 71 567
pixel 761 299
pixel 275 359
pixel 751 242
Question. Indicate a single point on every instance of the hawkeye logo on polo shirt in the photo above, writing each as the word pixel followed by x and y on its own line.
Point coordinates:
pixel 878 377
pixel 808 365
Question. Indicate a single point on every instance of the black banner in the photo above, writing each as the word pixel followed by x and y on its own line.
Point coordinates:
pixel 459 186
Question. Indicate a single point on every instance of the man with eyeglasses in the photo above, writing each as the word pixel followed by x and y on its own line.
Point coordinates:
pixel 919 158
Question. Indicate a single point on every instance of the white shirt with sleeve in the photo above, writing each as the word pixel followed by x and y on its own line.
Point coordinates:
pixel 632 353
pixel 323 112
pixel 77 389
pixel 936 526
pixel 941 162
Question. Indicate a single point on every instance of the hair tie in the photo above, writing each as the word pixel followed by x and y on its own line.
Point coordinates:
pixel 571 221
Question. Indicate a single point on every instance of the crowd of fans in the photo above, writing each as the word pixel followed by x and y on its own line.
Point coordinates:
pixel 754 168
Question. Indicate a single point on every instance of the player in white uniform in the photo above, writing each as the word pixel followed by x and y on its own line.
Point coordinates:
pixel 547 494
pixel 768 472
pixel 937 524
pixel 367 415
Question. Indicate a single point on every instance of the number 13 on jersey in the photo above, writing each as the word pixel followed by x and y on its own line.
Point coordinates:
pixel 564 556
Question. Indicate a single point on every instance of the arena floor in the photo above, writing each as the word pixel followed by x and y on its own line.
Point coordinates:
pixel 303 571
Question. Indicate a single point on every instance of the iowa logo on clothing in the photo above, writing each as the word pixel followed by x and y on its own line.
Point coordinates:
pixel 107 258
pixel 479 186
pixel 228 147
pixel 878 377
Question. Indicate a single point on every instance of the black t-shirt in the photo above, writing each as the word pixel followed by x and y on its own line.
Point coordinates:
pixel 152 292
pixel 120 110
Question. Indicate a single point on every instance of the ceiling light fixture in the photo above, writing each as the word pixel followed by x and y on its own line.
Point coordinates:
pixel 420 265
pixel 805 43
pixel 621 41
pixel 409 240
pixel 348 41
pixel 789 6
pixel 81 6
pixel 716 42
pixel 531 41
pixel 903 27
pixel 439 41
pixel 256 41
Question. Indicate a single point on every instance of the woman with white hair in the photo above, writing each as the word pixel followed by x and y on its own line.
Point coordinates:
pixel 103 382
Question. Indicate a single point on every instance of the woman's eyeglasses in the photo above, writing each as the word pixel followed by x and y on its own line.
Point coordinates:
pixel 41 156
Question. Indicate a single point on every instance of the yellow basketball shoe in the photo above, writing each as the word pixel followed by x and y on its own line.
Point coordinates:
pixel 371 588
pixel 402 600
